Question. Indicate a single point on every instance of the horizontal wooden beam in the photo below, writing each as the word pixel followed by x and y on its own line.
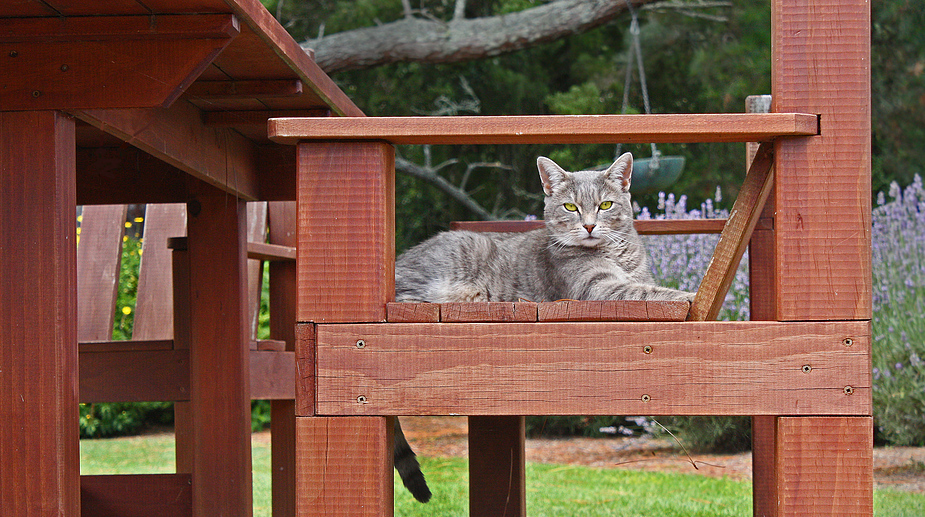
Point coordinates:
pixel 212 90
pixel 93 62
pixel 119 372
pixel 264 251
pixel 127 175
pixel 529 312
pixel 643 226
pixel 138 495
pixel 551 129
pixel 240 118
pixel 686 368
pixel 177 136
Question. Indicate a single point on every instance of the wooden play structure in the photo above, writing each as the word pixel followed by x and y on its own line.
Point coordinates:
pixel 168 101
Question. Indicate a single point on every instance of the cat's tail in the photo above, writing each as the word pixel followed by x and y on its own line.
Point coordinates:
pixel 408 468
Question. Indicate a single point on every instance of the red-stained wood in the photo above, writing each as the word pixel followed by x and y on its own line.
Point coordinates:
pixel 38 316
pixel 643 226
pixel 412 312
pixel 219 355
pixel 134 376
pixel 182 337
pixel 282 223
pixel 344 466
pixel 256 233
pixel 824 466
pixel 473 312
pixel 94 62
pixel 612 310
pixel 735 237
pixel 346 225
pixel 231 89
pixel 272 375
pixel 256 118
pixel 497 479
pixel 739 368
pixel 823 204
pixel 270 252
pixel 137 495
pixel 99 254
pixel 154 305
pixel 535 129
pixel 126 175
pixel 177 136
pixel 305 369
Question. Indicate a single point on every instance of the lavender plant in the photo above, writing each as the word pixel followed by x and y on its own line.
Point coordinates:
pixel 899 314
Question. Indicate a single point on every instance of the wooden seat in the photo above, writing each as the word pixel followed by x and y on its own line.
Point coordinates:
pixel 155 364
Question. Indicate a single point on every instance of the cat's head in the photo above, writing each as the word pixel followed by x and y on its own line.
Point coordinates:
pixel 588 208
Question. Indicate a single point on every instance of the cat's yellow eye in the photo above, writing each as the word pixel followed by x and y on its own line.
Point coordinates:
pixel 606 205
pixel 571 207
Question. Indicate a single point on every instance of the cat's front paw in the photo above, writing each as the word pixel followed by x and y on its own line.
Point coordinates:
pixel 684 296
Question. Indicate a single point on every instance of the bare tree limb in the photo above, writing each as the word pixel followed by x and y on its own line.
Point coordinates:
pixel 435 41
pixel 430 176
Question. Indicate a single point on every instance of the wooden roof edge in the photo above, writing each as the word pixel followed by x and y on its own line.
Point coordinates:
pixel 258 19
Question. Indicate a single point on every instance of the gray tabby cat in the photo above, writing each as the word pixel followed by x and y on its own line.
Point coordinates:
pixel 588 250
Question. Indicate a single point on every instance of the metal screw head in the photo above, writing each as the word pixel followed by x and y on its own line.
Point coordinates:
pixel 646 398
pixel 807 368
pixel 361 344
pixel 13 53
pixel 847 341
pixel 647 349
pixel 36 93
pixel 362 399
pixel 848 390
pixel 65 68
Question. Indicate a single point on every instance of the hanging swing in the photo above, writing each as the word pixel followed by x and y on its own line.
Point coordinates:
pixel 658 172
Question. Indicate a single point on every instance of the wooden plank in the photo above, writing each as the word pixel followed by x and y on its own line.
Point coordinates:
pixel 764 466
pixel 126 175
pixel 643 226
pixel 154 305
pixel 825 466
pixel 92 62
pixel 272 375
pixel 38 322
pixel 305 369
pixel 612 310
pixel 412 312
pixel 219 355
pixel 488 312
pixel 137 495
pixel 264 251
pixel 497 480
pixel 256 233
pixel 231 89
pixel 99 254
pixel 134 345
pixel 346 259
pixel 538 129
pixel 739 368
pixel 134 376
pixel 823 204
pixel 344 466
pixel 735 237
pixel 177 136
pixel 257 118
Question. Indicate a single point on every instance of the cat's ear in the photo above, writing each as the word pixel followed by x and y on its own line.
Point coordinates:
pixel 622 170
pixel 550 173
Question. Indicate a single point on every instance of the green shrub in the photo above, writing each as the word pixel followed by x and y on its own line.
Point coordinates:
pixel 100 420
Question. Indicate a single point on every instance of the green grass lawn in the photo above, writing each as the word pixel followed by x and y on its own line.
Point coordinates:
pixel 552 490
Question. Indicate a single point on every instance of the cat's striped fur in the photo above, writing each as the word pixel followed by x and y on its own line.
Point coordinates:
pixel 588 250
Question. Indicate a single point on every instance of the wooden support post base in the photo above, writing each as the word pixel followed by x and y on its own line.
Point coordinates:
pixel 344 466
pixel 497 485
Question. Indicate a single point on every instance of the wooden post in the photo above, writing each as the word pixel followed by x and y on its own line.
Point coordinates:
pixel 38 316
pixel 821 246
pixel 497 482
pixel 346 273
pixel 219 354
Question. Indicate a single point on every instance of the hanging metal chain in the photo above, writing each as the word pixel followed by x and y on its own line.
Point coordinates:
pixel 636 52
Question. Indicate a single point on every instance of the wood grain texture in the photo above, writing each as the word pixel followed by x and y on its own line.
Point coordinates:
pixel 134 376
pixel 497 480
pixel 125 175
pixel 138 495
pixel 643 227
pixel 735 237
pixel 537 129
pixel 101 62
pixel 38 327
pixel 412 312
pixel 825 466
pixel 473 312
pixel 346 225
pixel 305 353
pixel 612 310
pixel 272 375
pixel 219 355
pixel 344 466
pixel 740 368
pixel 822 65
pixel 154 306
pixel 256 233
pixel 99 254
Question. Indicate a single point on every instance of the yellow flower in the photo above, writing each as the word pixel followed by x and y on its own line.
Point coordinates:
pixel 126 310
pixel 128 224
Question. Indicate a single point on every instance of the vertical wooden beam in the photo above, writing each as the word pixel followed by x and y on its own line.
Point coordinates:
pixel 38 316
pixel 821 64
pixel 182 412
pixel 824 466
pixel 497 482
pixel 346 273
pixel 219 354
pixel 282 221
pixel 99 255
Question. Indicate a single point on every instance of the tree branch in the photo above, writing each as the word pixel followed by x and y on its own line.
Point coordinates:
pixel 434 41
pixel 412 169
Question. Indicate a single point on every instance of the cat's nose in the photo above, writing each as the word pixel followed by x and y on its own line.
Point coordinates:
pixel 588 227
